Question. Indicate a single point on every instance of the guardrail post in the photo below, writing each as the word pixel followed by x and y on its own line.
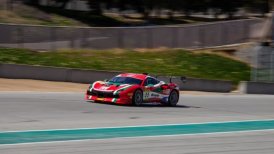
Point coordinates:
pixel 52 38
pixel 120 38
pixel 255 63
pixel 175 37
pixel 149 38
pixel 272 66
pixel 201 41
pixel 72 41
pixel 246 28
pixel 84 35
pixel 223 33
pixel 20 37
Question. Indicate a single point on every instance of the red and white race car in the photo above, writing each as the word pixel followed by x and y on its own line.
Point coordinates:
pixel 130 88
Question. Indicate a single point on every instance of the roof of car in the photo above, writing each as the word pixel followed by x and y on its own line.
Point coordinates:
pixel 134 75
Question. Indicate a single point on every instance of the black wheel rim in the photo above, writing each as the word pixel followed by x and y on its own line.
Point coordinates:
pixel 138 98
pixel 173 98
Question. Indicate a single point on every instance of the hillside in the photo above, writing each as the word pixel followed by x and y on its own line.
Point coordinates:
pixel 23 14
pixel 42 15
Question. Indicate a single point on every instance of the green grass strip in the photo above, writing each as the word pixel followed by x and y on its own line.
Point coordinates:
pixel 168 62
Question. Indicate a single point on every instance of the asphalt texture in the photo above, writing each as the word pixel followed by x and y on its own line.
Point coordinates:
pixel 41 111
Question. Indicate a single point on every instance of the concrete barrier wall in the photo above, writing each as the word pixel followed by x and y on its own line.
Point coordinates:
pixel 194 84
pixel 88 76
pixel 32 72
pixel 14 71
pixel 256 87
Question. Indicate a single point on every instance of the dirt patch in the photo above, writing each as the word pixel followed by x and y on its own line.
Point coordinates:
pixel 43 86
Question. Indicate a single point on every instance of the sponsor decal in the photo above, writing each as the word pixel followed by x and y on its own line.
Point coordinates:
pixel 119 90
pixel 100 99
pixel 114 100
pixel 146 94
pixel 155 95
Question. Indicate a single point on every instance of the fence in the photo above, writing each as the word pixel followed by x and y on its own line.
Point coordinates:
pixel 263 62
pixel 188 36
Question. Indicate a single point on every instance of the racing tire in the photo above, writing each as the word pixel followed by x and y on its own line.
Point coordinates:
pixel 137 98
pixel 173 98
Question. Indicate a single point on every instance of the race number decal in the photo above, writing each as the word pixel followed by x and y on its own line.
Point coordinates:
pixel 146 94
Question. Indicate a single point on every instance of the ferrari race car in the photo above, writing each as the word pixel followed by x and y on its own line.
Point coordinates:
pixel 133 89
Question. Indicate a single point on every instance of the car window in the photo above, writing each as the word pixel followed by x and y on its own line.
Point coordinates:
pixel 155 81
pixel 151 81
pixel 125 80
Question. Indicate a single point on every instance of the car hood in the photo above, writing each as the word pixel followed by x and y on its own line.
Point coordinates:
pixel 112 87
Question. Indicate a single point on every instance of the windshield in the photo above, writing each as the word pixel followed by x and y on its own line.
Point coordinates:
pixel 125 80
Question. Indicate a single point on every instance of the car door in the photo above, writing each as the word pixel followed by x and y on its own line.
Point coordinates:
pixel 150 90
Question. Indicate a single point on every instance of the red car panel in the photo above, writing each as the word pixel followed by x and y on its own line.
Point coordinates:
pixel 121 90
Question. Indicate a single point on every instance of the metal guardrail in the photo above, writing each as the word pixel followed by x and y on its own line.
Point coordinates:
pixel 263 64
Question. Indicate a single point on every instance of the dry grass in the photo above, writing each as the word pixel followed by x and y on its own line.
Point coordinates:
pixel 218 53
pixel 41 86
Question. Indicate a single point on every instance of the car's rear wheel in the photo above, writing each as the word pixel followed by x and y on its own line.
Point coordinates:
pixel 137 98
pixel 173 98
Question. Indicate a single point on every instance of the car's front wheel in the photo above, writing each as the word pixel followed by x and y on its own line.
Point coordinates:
pixel 173 98
pixel 137 98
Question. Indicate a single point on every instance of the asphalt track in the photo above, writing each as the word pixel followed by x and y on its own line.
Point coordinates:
pixel 20 111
